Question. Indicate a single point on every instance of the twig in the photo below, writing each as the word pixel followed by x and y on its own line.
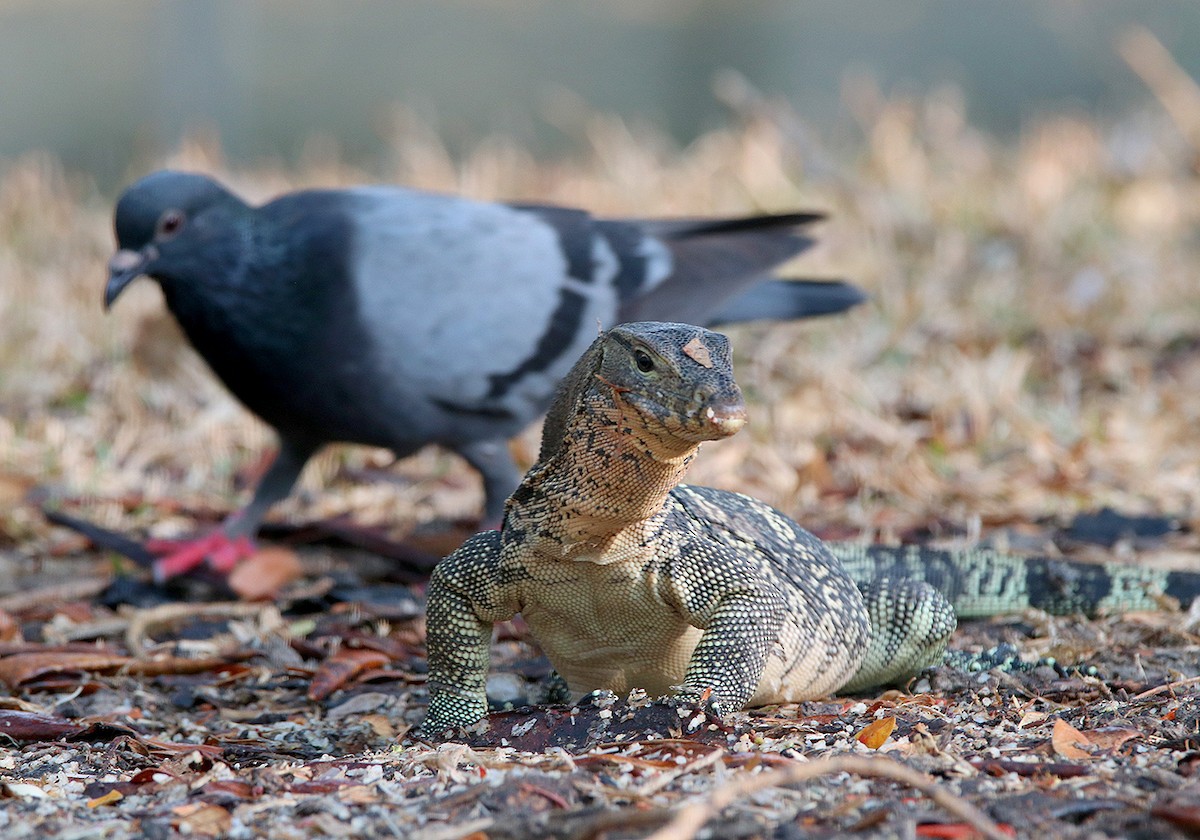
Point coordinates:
pixel 91 630
pixel 623 819
pixel 453 832
pixel 667 776
pixel 73 590
pixel 1159 689
pixel 1170 83
pixel 145 620
pixel 691 817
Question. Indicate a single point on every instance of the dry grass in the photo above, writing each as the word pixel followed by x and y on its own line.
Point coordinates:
pixel 1032 347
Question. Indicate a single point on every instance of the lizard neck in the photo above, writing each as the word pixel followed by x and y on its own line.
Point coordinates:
pixel 603 491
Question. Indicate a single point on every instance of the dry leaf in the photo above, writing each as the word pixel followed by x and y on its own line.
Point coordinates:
pixel 24 790
pixel 1111 737
pixel 232 788
pixel 1065 740
pixel 22 727
pixel 1184 815
pixel 23 667
pixel 261 576
pixel 109 798
pixel 10 631
pixel 957 831
pixel 874 734
pixel 340 668
pixel 359 794
pixel 202 820
pixel 698 352
pixel 13 489
pixel 1030 718
pixel 380 725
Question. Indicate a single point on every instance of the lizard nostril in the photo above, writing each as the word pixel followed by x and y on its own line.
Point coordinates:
pixel 727 417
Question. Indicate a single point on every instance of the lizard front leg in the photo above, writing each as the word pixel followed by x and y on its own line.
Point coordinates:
pixel 467 594
pixel 741 616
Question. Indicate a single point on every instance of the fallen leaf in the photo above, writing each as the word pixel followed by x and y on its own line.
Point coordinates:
pixel 10 631
pixel 318 787
pixel 380 725
pixel 1031 717
pixel 24 790
pixel 234 788
pixel 698 352
pixel 103 791
pixel 109 798
pixel 24 727
pixel 1066 739
pixel 1186 817
pixel 13 489
pixel 176 665
pixel 204 751
pixel 949 831
pixel 151 775
pixel 957 831
pixel 1111 737
pixel 261 575
pixel 204 820
pixel 340 668
pixel 23 667
pixel 1000 766
pixel 361 704
pixel 875 733
pixel 359 794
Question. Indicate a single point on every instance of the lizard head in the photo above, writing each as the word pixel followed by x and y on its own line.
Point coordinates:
pixel 678 378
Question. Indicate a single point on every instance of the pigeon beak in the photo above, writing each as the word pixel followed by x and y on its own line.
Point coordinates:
pixel 124 267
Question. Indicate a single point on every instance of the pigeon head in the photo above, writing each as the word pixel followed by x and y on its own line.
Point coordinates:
pixel 174 227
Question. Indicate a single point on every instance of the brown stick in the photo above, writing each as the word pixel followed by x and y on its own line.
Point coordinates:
pixel 72 590
pixel 667 776
pixel 1171 686
pixel 143 621
pixel 689 819
pixel 1171 85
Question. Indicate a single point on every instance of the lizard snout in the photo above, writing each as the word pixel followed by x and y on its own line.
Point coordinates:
pixel 728 417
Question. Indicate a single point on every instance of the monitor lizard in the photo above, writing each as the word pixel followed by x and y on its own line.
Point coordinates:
pixel 629 579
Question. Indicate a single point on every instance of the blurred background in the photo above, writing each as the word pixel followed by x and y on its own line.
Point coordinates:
pixel 102 85
pixel 1014 183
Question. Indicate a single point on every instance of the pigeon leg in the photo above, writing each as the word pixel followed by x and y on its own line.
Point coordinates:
pixel 233 542
pixel 500 476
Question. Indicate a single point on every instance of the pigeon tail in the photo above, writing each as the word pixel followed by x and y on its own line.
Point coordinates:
pixel 715 262
pixel 784 300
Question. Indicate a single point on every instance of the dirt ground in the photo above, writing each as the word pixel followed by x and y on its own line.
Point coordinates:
pixel 1030 353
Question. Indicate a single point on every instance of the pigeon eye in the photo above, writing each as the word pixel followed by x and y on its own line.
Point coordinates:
pixel 644 362
pixel 170 223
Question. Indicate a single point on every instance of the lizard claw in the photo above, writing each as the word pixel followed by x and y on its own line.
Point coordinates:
pixel 704 699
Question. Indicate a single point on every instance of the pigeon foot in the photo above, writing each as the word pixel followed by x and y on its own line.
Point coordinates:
pixel 220 551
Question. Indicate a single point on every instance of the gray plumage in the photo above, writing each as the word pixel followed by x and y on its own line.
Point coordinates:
pixel 399 318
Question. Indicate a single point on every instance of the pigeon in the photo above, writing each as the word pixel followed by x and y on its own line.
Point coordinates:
pixel 399 318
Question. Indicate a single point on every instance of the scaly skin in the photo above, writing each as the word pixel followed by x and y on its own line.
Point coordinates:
pixel 628 579
pixel 981 582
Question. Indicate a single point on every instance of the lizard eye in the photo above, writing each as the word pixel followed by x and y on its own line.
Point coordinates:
pixel 169 224
pixel 644 362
